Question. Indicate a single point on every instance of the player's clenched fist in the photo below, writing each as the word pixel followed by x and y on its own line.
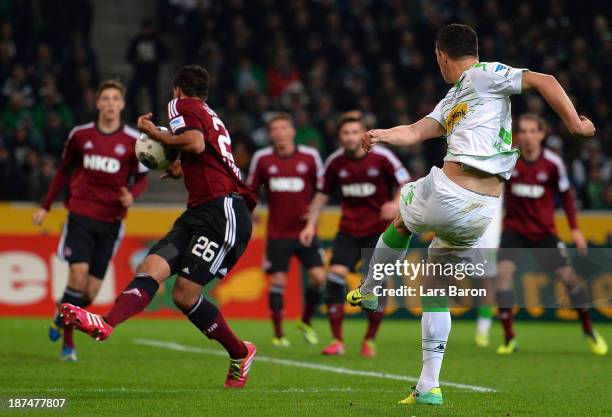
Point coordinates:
pixel 39 216
pixel 307 234
pixel 145 124
pixel 585 128
pixel 174 171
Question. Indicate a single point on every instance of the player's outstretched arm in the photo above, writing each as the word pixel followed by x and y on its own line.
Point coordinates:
pixel 188 141
pixel 405 135
pixel 310 230
pixel 556 97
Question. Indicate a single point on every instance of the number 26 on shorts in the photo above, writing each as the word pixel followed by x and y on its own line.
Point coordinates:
pixel 205 248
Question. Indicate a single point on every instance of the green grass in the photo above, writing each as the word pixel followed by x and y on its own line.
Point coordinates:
pixel 553 375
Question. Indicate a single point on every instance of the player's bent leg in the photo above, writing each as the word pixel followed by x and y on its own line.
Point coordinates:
pixel 187 296
pixel 312 299
pixel 133 300
pixel 334 293
pixel 276 301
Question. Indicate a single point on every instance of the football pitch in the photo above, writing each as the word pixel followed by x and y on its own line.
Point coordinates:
pixel 165 367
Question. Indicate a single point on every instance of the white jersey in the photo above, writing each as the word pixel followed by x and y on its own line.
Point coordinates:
pixel 477 117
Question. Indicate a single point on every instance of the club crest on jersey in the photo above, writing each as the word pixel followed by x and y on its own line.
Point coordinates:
pixel 273 170
pixel 373 172
pixel 120 149
pixel 456 114
pixel 343 173
pixel 301 167
pixel 101 163
pixel 88 145
pixel 542 176
pixel 360 189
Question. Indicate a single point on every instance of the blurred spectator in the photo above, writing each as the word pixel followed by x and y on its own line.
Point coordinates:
pixel 146 53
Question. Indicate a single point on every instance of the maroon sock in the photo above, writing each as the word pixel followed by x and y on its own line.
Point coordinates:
pixel 207 317
pixel 585 318
pixel 68 337
pixel 277 321
pixel 312 299
pixel 335 312
pixel 506 317
pixel 374 320
pixel 134 299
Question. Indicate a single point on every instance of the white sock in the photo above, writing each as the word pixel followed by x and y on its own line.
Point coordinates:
pixel 483 325
pixel 435 328
pixel 382 254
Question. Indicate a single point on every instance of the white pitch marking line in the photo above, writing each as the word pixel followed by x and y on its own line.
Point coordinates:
pixel 306 365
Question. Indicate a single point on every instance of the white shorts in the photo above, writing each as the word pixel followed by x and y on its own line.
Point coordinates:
pixel 457 216
pixel 489 242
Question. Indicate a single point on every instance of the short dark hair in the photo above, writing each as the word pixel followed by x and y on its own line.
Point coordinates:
pixel 193 81
pixel 279 116
pixel 457 41
pixel 105 85
pixel 349 117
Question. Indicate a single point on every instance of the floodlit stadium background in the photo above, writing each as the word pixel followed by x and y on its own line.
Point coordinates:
pixel 312 59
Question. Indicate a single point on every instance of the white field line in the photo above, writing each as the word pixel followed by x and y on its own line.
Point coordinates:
pixel 307 365
pixel 180 391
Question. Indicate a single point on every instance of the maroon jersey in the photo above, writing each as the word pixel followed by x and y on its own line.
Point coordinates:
pixel 289 183
pixel 530 196
pixel 211 173
pixel 98 165
pixel 365 184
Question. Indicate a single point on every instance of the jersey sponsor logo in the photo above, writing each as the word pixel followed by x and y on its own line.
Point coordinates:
pixel 528 190
pixel 101 163
pixel 286 184
pixel 456 114
pixel 373 172
pixel 542 176
pixel 343 173
pixel 301 168
pixel 273 170
pixel 88 145
pixel 177 123
pixel 360 189
pixel 120 149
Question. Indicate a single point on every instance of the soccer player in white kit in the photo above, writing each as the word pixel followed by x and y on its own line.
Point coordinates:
pixel 458 201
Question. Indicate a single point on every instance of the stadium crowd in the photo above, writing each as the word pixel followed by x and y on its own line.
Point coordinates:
pixel 314 59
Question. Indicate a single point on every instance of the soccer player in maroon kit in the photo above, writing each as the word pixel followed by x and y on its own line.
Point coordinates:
pixel 289 173
pixel 105 177
pixel 538 177
pixel 369 186
pixel 209 237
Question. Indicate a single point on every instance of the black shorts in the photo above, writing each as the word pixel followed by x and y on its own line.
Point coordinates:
pixel 280 251
pixel 89 240
pixel 206 241
pixel 348 250
pixel 512 243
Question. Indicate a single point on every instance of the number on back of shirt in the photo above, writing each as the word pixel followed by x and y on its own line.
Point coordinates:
pixel 205 248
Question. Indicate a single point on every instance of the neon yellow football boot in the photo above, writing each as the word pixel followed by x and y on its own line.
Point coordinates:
pixel 368 302
pixel 432 397
pixel 597 344
pixel 508 348
pixel 309 333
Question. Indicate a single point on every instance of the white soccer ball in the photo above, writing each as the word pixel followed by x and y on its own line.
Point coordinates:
pixel 153 154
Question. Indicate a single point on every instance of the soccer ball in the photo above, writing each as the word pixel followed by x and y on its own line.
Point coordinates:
pixel 153 154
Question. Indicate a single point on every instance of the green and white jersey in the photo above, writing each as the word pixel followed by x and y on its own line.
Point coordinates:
pixel 477 117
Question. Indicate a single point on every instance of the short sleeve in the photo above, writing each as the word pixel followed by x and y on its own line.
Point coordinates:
pixel 254 176
pixel 181 118
pixel 496 79
pixel 436 114
pixel 328 180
